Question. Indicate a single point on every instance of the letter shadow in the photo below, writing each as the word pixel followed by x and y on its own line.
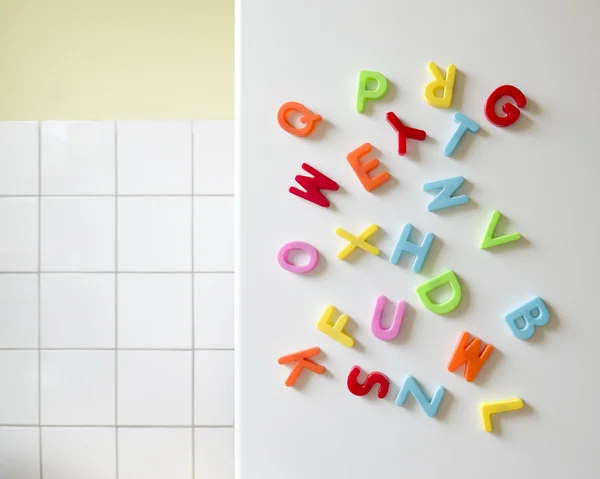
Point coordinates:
pixel 465 145
pixel 465 189
pixel 320 268
pixel 331 196
pixel 321 130
pixel 487 371
pixel 550 327
pixel 458 94
pixel 429 266
pixel 525 122
pixel 498 419
pixel 413 150
pixel 465 300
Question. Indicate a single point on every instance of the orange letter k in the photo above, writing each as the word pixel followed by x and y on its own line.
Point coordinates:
pixel 302 362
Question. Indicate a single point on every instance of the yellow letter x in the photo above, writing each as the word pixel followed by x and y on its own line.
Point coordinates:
pixel 357 242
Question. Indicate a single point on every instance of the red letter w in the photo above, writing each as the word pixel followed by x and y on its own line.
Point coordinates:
pixel 313 186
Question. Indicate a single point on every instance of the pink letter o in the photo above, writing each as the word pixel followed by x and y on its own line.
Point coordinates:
pixel 313 257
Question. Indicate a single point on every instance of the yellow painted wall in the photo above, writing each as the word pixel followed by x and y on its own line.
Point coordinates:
pixel 108 59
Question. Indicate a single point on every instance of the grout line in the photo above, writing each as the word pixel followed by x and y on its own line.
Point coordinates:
pixel 116 302
pixel 39 296
pixel 193 318
pixel 115 349
pixel 107 195
pixel 124 426
pixel 118 272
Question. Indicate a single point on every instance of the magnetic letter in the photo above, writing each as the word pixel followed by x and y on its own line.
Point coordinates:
pixel 313 186
pixel 470 354
pixel 488 239
pixel 335 330
pixel 444 199
pixel 412 386
pixel 362 170
pixel 512 112
pixel 308 119
pixel 440 83
pixel 420 251
pixel 404 132
pixel 359 241
pixel 302 362
pixel 363 94
pixel 449 305
pixel 528 319
pixel 379 331
pixel 310 250
pixel 372 379
pixel 464 124
pixel 489 408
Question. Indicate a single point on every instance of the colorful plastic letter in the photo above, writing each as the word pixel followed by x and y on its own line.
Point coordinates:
pixel 404 132
pixel 359 241
pixel 363 94
pixel 419 251
pixel 362 170
pixel 313 186
pixel 440 83
pixel 524 315
pixel 412 386
pixel 488 239
pixel 310 250
pixel 302 362
pixel 372 379
pixel 512 112
pixel 489 408
pixel 444 199
pixel 470 354
pixel 447 306
pixel 308 119
pixel 387 334
pixel 335 330
pixel 464 124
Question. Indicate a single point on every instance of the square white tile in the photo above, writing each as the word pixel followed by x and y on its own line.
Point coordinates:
pixel 214 449
pixel 19 158
pixel 155 388
pixel 19 238
pixel 79 453
pixel 78 157
pixel 213 310
pixel 156 453
pixel 77 310
pixel 19 453
pixel 213 157
pixel 78 388
pixel 18 311
pixel 154 157
pixel 155 234
pixel 213 388
pixel 78 234
pixel 213 233
pixel 155 311
pixel 19 387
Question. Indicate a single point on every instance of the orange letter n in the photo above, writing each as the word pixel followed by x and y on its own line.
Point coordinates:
pixel 470 354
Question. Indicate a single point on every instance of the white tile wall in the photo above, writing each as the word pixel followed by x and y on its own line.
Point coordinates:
pixel 19 158
pixel 116 300
pixel 19 452
pixel 156 453
pixel 78 452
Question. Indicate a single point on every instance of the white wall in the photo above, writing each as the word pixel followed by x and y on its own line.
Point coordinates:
pixel 541 173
